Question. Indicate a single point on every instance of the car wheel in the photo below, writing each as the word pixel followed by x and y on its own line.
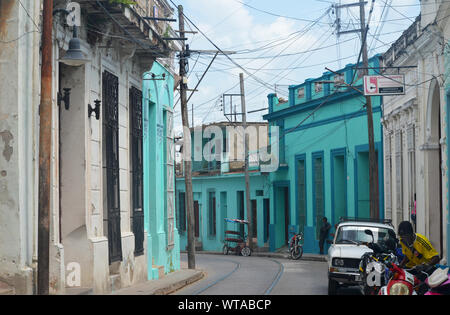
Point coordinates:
pixel 332 287
pixel 225 249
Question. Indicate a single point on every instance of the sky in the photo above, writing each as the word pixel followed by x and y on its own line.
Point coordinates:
pixel 277 44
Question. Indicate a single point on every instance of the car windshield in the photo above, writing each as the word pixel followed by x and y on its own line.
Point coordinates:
pixel 351 234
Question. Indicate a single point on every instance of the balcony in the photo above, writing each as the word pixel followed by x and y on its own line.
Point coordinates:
pixel 127 23
pixel 399 47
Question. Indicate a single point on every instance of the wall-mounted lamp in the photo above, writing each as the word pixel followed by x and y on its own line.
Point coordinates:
pixel 74 56
pixel 64 98
pixel 96 109
pixel 157 77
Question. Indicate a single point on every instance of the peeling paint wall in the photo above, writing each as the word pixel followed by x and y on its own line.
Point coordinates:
pixel 19 91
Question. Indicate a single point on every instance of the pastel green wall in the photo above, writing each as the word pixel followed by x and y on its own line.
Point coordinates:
pixel 158 101
pixel 226 188
pixel 339 124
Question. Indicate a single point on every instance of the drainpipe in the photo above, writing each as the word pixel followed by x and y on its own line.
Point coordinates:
pixel 45 147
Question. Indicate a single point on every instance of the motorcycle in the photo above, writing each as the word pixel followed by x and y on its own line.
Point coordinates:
pixel 439 281
pixel 408 281
pixel 373 266
pixel 295 247
pixel 402 282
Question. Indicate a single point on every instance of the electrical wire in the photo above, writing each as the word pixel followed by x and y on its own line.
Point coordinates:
pixel 220 50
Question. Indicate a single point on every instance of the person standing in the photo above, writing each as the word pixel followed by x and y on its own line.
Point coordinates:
pixel 323 234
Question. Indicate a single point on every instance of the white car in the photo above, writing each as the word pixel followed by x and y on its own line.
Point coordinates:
pixel 344 255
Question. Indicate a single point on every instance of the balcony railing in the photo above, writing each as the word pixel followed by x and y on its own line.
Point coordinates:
pixel 130 22
pixel 397 49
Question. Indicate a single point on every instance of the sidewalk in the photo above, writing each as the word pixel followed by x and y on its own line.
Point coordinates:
pixel 164 286
pixel 184 277
pixel 282 255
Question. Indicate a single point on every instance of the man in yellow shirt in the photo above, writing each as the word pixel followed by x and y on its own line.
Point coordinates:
pixel 417 248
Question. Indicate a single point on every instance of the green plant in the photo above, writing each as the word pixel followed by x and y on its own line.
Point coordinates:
pixel 122 1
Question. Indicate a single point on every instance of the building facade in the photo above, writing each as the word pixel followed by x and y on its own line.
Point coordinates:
pixel 444 26
pixel 218 182
pixel 416 128
pixel 18 144
pixel 324 162
pixel 99 239
pixel 163 239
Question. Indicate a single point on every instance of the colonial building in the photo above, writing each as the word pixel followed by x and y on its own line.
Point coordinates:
pixel 218 181
pixel 159 173
pixel 442 21
pixel 324 160
pixel 99 235
pixel 416 128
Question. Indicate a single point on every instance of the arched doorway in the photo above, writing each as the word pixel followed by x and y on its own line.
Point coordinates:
pixel 434 158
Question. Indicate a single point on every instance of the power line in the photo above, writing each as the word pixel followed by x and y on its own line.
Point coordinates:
pixel 29 16
pixel 238 65
pixel 274 14
pixel 218 48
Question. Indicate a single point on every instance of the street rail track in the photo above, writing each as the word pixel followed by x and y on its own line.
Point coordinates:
pixel 269 289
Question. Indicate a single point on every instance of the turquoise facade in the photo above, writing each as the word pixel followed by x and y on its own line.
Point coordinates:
pixel 323 155
pixel 223 196
pixel 162 236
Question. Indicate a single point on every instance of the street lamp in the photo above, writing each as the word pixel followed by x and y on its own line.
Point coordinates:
pixel 74 56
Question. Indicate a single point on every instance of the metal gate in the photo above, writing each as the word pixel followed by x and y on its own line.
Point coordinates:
pixel 111 138
pixel 137 170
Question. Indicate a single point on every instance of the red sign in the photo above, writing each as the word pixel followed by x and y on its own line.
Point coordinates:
pixel 384 85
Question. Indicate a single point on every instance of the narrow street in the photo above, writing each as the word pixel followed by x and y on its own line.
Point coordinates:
pixel 237 275
pixel 135 134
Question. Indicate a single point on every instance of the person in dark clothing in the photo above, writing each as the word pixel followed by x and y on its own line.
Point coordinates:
pixel 323 233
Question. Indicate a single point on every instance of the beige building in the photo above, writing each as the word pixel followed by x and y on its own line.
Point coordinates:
pixel 415 129
pixel 97 242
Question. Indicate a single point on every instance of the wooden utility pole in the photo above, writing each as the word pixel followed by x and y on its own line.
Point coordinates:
pixel 187 146
pixel 247 176
pixel 373 163
pixel 45 149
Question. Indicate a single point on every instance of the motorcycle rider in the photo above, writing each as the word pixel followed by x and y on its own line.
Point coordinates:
pixel 418 251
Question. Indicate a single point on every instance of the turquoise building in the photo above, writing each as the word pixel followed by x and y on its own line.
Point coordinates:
pixel 159 173
pixel 324 158
pixel 219 193
pixel 223 196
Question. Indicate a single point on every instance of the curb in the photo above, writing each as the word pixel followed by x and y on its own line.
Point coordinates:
pixel 179 285
pixel 305 257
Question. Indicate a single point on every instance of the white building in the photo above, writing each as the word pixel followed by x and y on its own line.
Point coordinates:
pixel 97 239
pixel 415 130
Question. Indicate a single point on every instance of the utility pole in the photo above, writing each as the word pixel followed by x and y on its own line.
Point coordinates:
pixel 247 176
pixel 45 147
pixel 187 146
pixel 373 162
